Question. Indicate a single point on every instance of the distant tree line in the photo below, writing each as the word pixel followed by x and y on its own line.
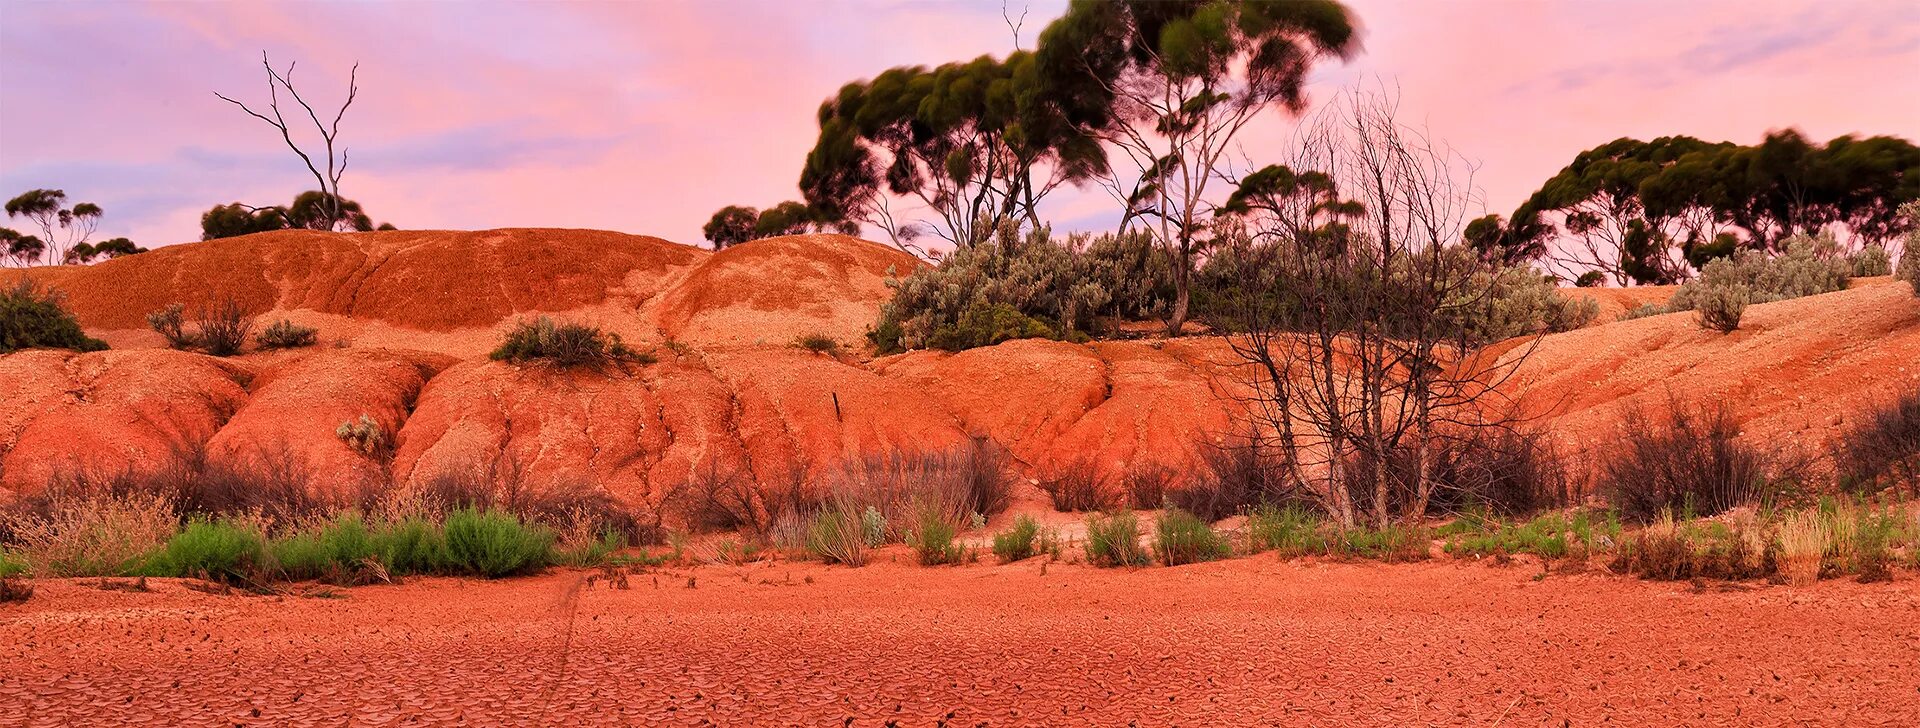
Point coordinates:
pixel 65 232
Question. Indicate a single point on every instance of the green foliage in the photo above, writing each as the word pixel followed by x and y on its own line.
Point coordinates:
pixel 48 210
pixel 11 565
pixel 495 543
pixel 1291 531
pixel 1909 268
pixel 1810 266
pixel 932 539
pixel 1869 261
pixel 1029 285
pixel 1018 542
pixel 564 345
pixel 33 318
pixel 835 536
pixel 1549 535
pixel 730 225
pixel 597 551
pixel 873 527
pixel 219 550
pixel 1113 539
pixel 285 334
pixel 335 551
pixel 1721 305
pixel 84 252
pixel 310 210
pixel 1393 543
pixel 410 546
pixel 1182 538
pixel 1504 303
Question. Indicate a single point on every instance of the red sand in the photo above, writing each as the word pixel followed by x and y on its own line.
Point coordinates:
pixel 1248 641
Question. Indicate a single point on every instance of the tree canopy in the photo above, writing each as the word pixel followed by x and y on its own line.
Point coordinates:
pixel 48 210
pixel 311 210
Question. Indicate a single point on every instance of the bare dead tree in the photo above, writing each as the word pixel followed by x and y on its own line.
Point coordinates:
pixel 1355 314
pixel 330 209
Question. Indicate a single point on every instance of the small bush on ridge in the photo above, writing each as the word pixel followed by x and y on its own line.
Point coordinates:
pixel 33 318
pixel 1720 306
pixel 285 334
pixel 564 345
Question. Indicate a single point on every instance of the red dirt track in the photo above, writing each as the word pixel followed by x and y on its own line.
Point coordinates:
pixel 1243 642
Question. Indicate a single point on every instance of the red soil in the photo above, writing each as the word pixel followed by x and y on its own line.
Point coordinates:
pixel 1249 641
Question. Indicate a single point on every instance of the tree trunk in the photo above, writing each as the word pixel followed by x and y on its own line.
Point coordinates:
pixel 1178 319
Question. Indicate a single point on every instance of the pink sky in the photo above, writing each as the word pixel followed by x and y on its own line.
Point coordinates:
pixel 645 117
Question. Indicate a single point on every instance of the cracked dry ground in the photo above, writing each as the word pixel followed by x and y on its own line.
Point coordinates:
pixel 1245 642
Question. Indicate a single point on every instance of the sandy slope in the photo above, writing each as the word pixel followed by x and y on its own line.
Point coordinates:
pixel 407 317
pixel 1242 642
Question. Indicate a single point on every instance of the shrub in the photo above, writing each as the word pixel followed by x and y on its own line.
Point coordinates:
pixel 410 546
pixel 596 550
pixel 1512 472
pixel 1077 486
pixel 901 488
pixel 1014 285
pixel 92 534
pixel 1512 302
pixel 1549 536
pixel 494 543
pixel 873 527
pixel 1233 476
pixel 834 536
pixel 285 334
pixel 1882 447
pixel 932 540
pixel 364 436
pixel 1147 484
pixel 11 565
pixel 338 550
pixel 1720 306
pixel 223 328
pixel 220 550
pixel 1290 530
pixel 1017 543
pixel 171 323
pixel 33 318
pixel 818 344
pixel 1809 266
pixel 1803 543
pixel 1642 311
pixel 1113 539
pixel 1691 460
pixel 1673 550
pixel 564 345
pixel 1180 537
pixel 1870 261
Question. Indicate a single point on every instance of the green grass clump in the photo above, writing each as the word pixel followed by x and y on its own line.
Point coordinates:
pixel 818 344
pixel 1182 538
pixel 1018 542
pixel 411 546
pixel 1549 535
pixel 216 550
pixel 495 543
pixel 334 551
pixel 1113 539
pixel 594 552
pixel 1291 531
pixel 835 537
pixel 932 540
pixel 565 345
pixel 1393 543
pixel 11 565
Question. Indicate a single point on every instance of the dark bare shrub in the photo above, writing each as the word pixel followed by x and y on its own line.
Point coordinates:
pixel 1882 447
pixel 721 498
pixel 1508 471
pixel 1147 484
pixel 1687 460
pixel 223 328
pixel 1234 476
pixel 1077 486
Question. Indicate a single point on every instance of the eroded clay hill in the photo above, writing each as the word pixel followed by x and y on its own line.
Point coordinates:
pixel 406 319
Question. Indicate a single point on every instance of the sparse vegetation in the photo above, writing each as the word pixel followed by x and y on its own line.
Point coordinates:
pixel 32 317
pixel 285 334
pixel 565 345
pixel 1881 448
pixel 1077 486
pixel 818 344
pixel 1871 260
pixel 1180 537
pixel 1809 266
pixel 1721 305
pixel 1290 530
pixel 834 536
pixel 1687 459
pixel 1113 539
pixel 220 328
pixel 365 436
pixel 1018 542
pixel 932 539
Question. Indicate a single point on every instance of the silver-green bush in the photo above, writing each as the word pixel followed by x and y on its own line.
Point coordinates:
pixel 1810 266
